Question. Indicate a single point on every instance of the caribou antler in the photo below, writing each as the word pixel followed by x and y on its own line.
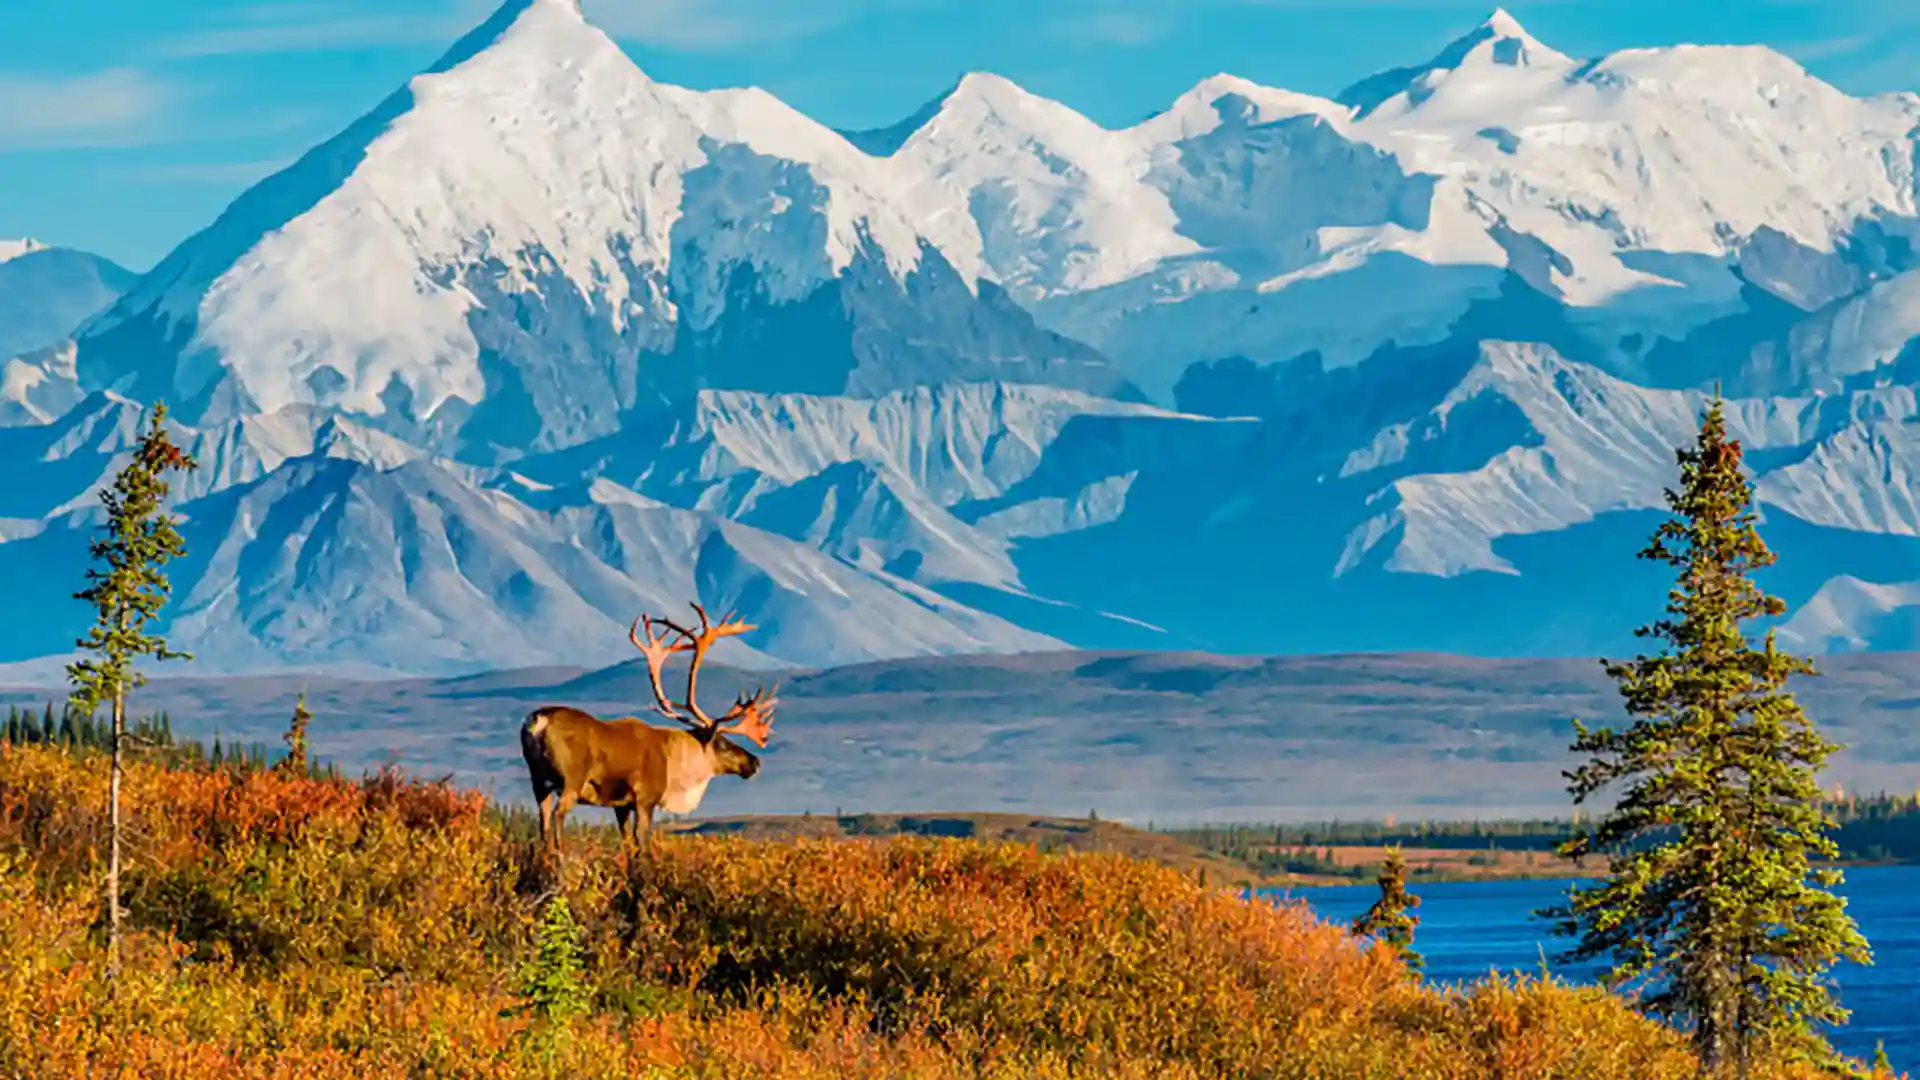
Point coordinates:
pixel 700 643
pixel 656 649
pixel 750 717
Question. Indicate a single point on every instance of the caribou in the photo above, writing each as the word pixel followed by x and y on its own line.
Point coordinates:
pixel 635 768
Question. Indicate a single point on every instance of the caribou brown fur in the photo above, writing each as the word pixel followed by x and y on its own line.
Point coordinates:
pixel 635 768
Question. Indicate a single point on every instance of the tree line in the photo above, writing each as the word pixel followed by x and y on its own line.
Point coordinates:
pixel 152 736
pixel 1875 828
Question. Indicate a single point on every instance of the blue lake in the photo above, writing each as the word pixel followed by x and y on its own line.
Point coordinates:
pixel 1470 928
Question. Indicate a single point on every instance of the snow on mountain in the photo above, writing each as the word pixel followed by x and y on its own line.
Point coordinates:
pixel 956 443
pixel 1251 221
pixel 1499 42
pixel 534 236
pixel 46 292
pixel 13 249
pixel 1057 201
pixel 929 484
pixel 535 227
pixel 1850 615
pixel 540 341
pixel 1854 336
pixel 1553 444
pixel 335 560
pixel 355 552
pixel 38 387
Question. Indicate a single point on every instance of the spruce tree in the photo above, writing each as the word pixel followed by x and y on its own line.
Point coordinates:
pixel 1711 904
pixel 553 978
pixel 296 737
pixel 1390 920
pixel 128 588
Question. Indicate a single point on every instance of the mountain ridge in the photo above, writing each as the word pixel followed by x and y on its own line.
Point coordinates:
pixel 558 340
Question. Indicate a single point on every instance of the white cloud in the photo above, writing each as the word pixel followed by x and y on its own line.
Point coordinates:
pixel 211 172
pixel 338 26
pixel 718 25
pixel 321 26
pixel 118 107
pixel 1115 26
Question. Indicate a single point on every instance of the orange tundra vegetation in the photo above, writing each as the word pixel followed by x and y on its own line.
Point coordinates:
pixel 295 928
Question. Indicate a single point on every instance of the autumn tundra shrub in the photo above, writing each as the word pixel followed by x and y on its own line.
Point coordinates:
pixel 281 926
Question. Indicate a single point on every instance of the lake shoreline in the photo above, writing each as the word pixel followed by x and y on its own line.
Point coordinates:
pixel 1469 928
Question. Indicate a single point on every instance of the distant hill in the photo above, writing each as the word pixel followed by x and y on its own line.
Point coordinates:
pixel 1167 737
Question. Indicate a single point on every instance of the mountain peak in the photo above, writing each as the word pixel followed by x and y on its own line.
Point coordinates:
pixel 13 249
pixel 546 24
pixel 972 86
pixel 1503 24
pixel 1499 42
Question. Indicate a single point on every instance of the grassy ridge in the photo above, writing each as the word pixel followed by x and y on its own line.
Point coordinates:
pixel 293 927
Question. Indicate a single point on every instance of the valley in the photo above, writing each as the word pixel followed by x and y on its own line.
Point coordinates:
pixel 1139 738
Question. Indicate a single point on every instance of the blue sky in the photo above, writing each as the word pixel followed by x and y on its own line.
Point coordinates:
pixel 126 125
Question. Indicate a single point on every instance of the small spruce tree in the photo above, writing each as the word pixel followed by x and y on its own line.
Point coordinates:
pixel 127 589
pixel 1711 903
pixel 1391 920
pixel 553 979
pixel 295 762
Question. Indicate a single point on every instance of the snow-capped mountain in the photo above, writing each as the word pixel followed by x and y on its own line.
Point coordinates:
pixel 534 237
pixel 45 292
pixel 1635 192
pixel 39 386
pixel 540 341
pixel 318 542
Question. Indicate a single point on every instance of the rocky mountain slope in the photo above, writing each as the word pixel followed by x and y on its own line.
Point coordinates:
pixel 540 341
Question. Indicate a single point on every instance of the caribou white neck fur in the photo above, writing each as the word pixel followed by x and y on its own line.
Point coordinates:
pixel 690 786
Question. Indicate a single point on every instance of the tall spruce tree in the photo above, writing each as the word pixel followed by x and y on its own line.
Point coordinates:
pixel 128 588
pixel 1391 920
pixel 1711 905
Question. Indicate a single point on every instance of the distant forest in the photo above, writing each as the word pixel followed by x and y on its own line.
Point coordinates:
pixel 1877 828
pixel 152 735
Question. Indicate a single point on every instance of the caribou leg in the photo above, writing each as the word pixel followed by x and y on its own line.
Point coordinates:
pixel 546 800
pixel 560 810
